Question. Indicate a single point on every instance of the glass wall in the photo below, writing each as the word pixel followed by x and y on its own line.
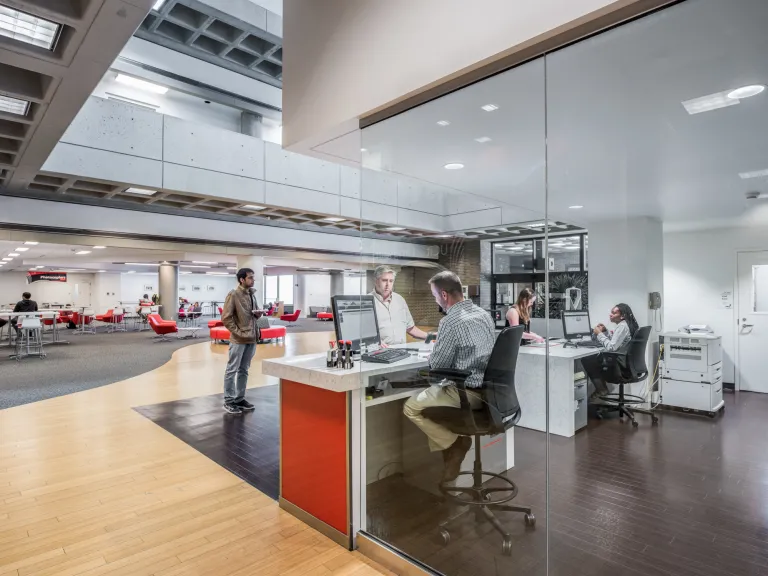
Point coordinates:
pixel 649 139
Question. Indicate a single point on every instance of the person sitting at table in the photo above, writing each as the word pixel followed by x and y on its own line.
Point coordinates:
pixel 520 313
pixel 26 304
pixel 465 339
pixel 626 326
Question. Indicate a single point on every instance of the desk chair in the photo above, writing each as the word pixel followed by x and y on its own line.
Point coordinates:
pixel 500 412
pixel 626 366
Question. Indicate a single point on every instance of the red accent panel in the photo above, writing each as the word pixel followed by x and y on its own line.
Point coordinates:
pixel 314 452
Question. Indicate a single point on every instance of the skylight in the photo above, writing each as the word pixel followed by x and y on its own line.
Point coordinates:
pixel 28 29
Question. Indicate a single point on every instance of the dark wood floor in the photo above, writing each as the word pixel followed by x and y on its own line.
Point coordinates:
pixel 247 445
pixel 686 498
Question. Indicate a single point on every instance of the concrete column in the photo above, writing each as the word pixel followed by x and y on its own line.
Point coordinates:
pixel 337 283
pixel 255 263
pixel 300 293
pixel 251 125
pixel 168 290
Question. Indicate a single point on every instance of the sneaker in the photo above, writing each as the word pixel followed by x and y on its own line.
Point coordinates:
pixel 245 406
pixel 233 409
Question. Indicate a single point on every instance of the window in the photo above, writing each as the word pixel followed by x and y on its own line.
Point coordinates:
pixel 285 289
pixel 270 288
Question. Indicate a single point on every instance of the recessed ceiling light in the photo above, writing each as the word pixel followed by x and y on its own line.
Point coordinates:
pixel 395 229
pixel 482 139
pixel 32 243
pixel 12 105
pixel 81 252
pixel 363 149
pixel 158 5
pixel 13 254
pixel 28 29
pixel 576 207
pixel 746 92
pixel 454 166
pixel 490 107
pixel 99 247
pixel 102 270
pixel 333 219
pixel 755 174
pixel 192 266
pixel 202 262
pixel 141 84
pixel 185 272
pixel 7 259
pixel 709 103
pixel 253 207
pixel 140 264
pixel 21 249
pixel 141 191
pixel 443 123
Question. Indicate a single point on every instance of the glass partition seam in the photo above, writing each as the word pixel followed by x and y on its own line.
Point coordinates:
pixel 546 316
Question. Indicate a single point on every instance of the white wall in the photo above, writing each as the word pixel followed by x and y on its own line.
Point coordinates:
pixel 698 267
pixel 354 285
pixel 106 291
pixel 13 284
pixel 132 286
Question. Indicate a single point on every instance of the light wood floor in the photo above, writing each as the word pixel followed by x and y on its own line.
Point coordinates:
pixel 88 486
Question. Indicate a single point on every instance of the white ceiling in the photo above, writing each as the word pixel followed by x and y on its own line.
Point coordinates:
pixel 619 141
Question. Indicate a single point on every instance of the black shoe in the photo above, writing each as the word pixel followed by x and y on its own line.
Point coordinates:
pixel 454 456
pixel 245 406
pixel 233 409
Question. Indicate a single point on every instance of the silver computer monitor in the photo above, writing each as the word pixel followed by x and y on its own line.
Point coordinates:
pixel 354 318
pixel 576 324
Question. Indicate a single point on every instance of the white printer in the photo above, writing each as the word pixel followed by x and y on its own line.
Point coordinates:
pixel 692 369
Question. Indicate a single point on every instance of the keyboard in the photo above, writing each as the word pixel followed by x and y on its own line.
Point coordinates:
pixel 385 356
pixel 587 344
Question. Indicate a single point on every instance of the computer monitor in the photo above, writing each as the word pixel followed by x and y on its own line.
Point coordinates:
pixel 576 324
pixel 354 318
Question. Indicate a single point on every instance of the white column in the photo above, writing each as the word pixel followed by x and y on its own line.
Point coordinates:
pixel 255 263
pixel 337 284
pixel 168 290
pixel 300 293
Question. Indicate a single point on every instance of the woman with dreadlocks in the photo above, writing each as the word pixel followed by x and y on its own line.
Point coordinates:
pixel 626 326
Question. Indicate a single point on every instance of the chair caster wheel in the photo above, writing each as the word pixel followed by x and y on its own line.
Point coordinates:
pixel 530 520
pixel 654 420
pixel 506 546
pixel 445 535
pixel 600 416
pixel 634 424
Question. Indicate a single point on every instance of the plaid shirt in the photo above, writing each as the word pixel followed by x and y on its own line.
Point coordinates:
pixel 465 339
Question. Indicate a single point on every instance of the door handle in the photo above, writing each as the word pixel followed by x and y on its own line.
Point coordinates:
pixel 747 325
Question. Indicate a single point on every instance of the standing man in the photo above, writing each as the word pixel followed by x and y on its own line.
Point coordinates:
pixel 239 316
pixel 465 340
pixel 392 312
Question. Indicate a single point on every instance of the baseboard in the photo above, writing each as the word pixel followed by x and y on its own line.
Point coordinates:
pixel 390 558
pixel 338 537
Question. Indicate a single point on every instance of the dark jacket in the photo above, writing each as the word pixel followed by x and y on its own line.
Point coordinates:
pixel 237 316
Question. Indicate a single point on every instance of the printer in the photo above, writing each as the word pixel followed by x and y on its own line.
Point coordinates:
pixel 692 369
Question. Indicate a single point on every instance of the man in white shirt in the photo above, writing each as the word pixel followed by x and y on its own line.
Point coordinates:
pixel 392 312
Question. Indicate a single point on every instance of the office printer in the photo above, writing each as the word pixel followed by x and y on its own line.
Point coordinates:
pixel 692 369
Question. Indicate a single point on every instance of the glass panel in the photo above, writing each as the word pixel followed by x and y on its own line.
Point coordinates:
pixel 270 288
pixel 285 289
pixel 760 288
pixel 464 176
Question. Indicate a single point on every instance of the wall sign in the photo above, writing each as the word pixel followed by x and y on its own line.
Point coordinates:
pixel 726 300
pixel 46 277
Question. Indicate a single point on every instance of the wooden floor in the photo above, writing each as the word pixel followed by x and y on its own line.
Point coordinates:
pixel 89 486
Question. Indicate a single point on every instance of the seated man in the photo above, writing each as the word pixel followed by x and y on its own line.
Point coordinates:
pixel 465 339
pixel 26 304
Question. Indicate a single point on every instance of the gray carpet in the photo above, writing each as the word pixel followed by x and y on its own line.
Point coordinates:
pixel 87 362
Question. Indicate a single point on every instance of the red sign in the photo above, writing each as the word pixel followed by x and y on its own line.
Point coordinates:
pixel 46 277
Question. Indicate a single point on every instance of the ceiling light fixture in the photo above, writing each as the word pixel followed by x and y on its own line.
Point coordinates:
pixel 7 259
pixel 99 247
pixel 27 28
pixel 202 262
pixel 576 207
pixel 454 166
pixel 489 107
pixel 333 219
pixel 21 249
pixel 395 229
pixel 218 274
pixel 102 270
pixel 443 236
pixel 74 269
pixel 253 207
pixel 13 254
pixel 13 105
pixel 141 191
pixel 140 264
pixel 709 103
pixel 141 84
pixel 363 149
pixel 81 252
pixel 754 174
pixel 443 123
pixel 746 92
pixel 32 243
pixel 192 266
pixel 185 272
pixel 482 139
pixel 158 5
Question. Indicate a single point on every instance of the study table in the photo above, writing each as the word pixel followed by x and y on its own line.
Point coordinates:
pixel 335 440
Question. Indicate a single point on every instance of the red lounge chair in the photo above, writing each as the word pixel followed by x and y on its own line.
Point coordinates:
pixel 215 323
pixel 291 318
pixel 105 317
pixel 324 316
pixel 162 327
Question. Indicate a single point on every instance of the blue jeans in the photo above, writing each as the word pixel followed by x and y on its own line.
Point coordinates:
pixel 236 374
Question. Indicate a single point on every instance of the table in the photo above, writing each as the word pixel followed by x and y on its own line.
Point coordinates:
pixel 187 332
pixel 8 314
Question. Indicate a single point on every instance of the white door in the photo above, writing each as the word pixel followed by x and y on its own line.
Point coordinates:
pixel 752 330
pixel 82 294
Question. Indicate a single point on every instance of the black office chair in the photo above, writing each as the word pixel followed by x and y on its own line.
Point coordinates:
pixel 500 411
pixel 626 366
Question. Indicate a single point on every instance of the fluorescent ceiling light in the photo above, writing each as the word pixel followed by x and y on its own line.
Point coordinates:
pixel 571 247
pixel 482 139
pixel 443 236
pixel 490 107
pixel 192 266
pixel 454 166
pixel 746 92
pixel 139 264
pixel 13 254
pixel 158 5
pixel 141 191
pixel 74 269
pixel 81 252
pixel 32 243
pixel 201 262
pixel 21 249
pixel 755 174
pixel 28 29
pixel 185 272
pixel 254 207
pixel 709 103
pixel 13 105
pixel 395 229
pixel 536 225
pixel 102 270
pixel 231 268
pixel 576 207
pixel 218 273
pixel 7 259
pixel 443 123
pixel 141 84
pixel 99 247
pixel 333 219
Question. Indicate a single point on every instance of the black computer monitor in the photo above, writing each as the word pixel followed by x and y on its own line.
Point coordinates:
pixel 354 318
pixel 576 324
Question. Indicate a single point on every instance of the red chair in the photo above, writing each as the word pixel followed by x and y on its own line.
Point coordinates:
pixel 162 327
pixel 291 318
pixel 324 316
pixel 219 333
pixel 215 323
pixel 104 317
pixel 273 333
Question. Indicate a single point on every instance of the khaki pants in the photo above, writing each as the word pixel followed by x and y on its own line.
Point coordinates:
pixel 440 437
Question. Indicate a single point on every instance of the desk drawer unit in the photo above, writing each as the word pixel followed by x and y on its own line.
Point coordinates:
pixel 580 415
